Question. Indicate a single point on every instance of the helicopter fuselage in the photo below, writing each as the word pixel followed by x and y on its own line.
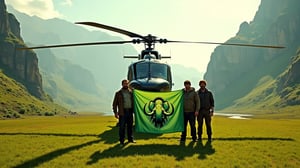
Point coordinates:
pixel 150 74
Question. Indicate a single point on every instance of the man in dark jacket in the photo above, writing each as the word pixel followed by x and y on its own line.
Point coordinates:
pixel 123 110
pixel 191 107
pixel 206 110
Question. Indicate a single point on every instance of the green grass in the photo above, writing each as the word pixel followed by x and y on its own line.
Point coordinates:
pixel 15 100
pixel 92 141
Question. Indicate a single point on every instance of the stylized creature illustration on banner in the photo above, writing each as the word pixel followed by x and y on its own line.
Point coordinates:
pixel 158 112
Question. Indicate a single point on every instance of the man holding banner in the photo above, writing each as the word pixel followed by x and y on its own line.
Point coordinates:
pixel 191 106
pixel 123 110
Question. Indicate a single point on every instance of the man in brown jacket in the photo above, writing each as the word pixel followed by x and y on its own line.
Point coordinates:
pixel 123 110
pixel 191 108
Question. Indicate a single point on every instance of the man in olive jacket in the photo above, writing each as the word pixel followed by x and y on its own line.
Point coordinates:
pixel 123 110
pixel 191 107
pixel 206 109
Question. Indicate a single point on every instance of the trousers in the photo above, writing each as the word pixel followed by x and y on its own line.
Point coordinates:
pixel 189 117
pixel 126 121
pixel 204 115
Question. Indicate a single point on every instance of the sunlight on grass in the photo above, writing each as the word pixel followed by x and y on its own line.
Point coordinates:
pixel 92 141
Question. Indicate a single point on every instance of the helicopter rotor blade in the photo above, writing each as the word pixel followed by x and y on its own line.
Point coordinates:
pixel 114 29
pixel 232 44
pixel 76 44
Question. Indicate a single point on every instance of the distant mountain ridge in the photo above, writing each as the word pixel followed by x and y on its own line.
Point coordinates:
pixel 21 90
pixel 94 72
pixel 70 84
pixel 87 71
pixel 235 73
pixel 105 60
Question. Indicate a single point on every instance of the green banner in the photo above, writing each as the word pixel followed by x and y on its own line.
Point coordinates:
pixel 158 112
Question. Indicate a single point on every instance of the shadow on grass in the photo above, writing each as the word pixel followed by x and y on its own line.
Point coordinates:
pixel 49 156
pixel 110 136
pixel 106 136
pixel 205 150
pixel 178 151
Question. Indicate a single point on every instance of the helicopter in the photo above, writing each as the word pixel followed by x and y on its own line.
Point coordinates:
pixel 149 73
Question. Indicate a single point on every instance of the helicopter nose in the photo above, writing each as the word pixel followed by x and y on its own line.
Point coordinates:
pixel 155 85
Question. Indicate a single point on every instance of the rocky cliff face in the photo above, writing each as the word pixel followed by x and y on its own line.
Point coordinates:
pixel 234 71
pixel 22 65
pixel 289 83
pixel 292 76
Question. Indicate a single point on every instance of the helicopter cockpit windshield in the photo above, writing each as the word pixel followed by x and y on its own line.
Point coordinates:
pixel 151 70
pixel 150 75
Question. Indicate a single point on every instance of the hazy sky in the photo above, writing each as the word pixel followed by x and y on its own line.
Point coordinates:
pixel 192 20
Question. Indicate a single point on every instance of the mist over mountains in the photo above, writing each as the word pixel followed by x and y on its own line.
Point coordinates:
pixel 96 71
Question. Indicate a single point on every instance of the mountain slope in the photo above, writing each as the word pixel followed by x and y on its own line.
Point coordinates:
pixel 20 80
pixel 234 73
pixel 71 85
pixel 15 100
pixel 274 96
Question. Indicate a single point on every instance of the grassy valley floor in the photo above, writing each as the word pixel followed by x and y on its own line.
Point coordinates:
pixel 92 141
